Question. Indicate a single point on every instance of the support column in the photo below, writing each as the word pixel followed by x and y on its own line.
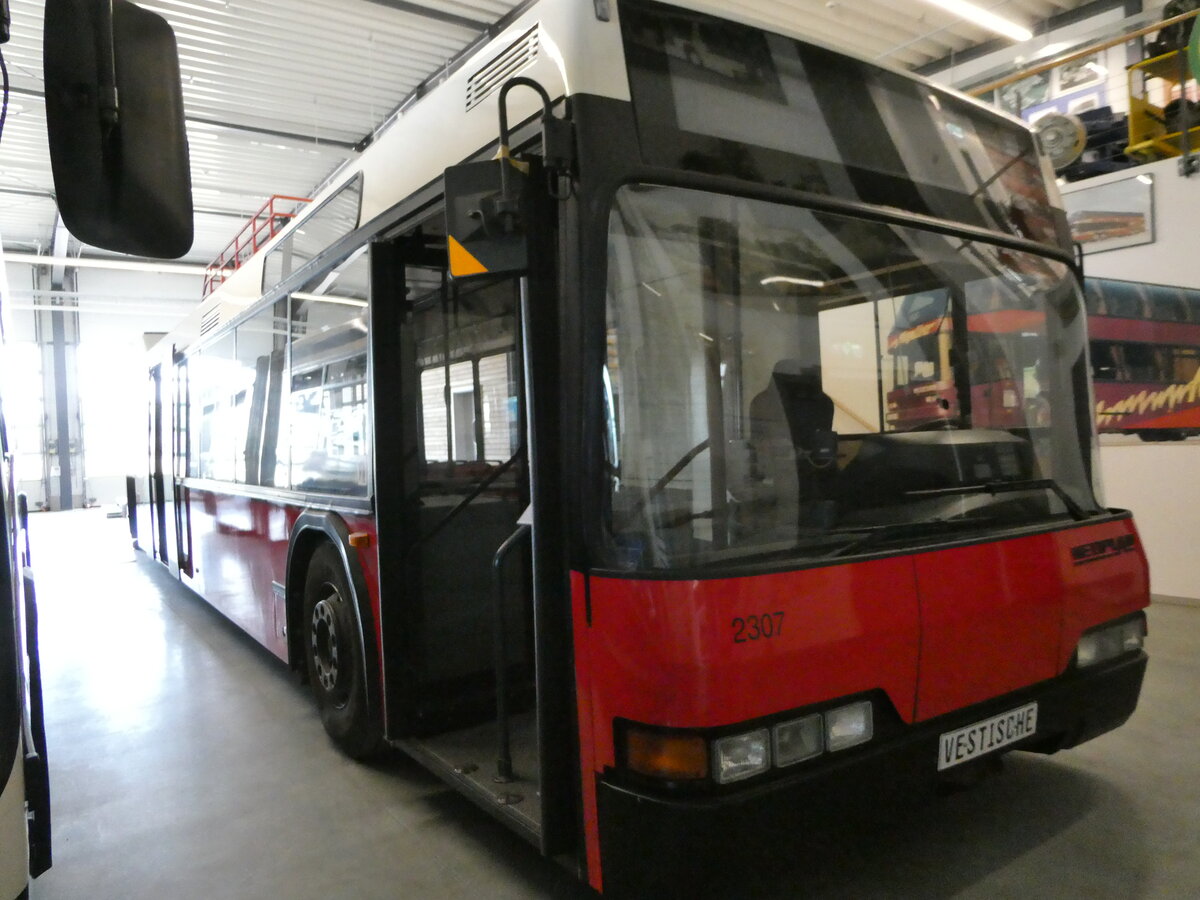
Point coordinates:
pixel 57 331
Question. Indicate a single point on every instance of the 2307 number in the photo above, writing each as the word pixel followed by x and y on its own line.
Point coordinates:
pixel 754 628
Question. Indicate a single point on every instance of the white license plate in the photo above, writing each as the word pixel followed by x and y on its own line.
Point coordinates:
pixel 964 744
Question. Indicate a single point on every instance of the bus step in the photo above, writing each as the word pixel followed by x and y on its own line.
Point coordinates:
pixel 466 760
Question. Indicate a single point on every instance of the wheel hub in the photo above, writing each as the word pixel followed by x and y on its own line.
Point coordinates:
pixel 325 643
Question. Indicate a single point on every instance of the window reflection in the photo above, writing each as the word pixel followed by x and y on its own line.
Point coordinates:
pixel 780 378
pixel 327 410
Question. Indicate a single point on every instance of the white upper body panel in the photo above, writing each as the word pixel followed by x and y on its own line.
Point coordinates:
pixel 577 52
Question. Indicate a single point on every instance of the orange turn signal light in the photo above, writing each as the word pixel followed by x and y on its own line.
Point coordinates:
pixel 360 540
pixel 675 757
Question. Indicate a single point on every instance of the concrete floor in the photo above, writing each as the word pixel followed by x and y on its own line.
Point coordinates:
pixel 185 763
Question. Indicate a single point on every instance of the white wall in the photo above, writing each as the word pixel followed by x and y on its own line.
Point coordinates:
pixel 1161 484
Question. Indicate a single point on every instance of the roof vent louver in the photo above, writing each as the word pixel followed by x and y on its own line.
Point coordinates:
pixel 210 320
pixel 491 77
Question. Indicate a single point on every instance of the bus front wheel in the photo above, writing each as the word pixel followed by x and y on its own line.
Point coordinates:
pixel 333 655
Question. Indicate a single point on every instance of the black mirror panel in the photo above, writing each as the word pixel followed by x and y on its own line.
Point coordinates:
pixel 121 170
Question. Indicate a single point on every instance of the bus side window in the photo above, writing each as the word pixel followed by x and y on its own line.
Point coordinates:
pixel 214 372
pixel 328 406
pixel 466 345
pixel 261 341
pixel 1148 305
pixel 1185 364
pixel 1123 300
pixel 1167 305
pixel 1104 365
pixel 1192 300
pixel 1141 362
pixel 194 420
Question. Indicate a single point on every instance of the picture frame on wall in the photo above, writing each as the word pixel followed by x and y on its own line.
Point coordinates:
pixel 1113 215
pixel 1078 74
pixel 1020 95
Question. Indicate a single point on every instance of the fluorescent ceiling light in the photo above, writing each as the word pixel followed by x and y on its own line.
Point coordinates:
pixel 788 279
pixel 980 16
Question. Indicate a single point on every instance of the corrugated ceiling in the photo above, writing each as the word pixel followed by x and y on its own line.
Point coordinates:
pixel 278 92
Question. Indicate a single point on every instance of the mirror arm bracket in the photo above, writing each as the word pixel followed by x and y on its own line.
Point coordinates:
pixel 557 137
pixel 106 65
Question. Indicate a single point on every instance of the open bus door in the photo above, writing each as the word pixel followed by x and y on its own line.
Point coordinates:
pixel 474 598
pixel 455 441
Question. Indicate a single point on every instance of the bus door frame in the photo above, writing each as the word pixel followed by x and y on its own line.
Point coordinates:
pixel 541 350
pixel 158 505
pixel 181 442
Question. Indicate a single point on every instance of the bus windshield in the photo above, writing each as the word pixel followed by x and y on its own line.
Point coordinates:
pixel 721 98
pixel 783 381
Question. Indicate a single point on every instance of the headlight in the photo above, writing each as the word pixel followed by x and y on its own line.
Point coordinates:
pixel 798 740
pixel 684 756
pixel 741 756
pixel 1110 641
pixel 848 726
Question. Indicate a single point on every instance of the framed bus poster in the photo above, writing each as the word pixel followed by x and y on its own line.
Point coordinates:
pixel 1113 215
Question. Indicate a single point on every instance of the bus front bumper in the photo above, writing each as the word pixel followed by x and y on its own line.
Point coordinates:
pixel 656 845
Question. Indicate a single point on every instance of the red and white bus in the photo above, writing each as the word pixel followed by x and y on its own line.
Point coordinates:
pixel 1145 343
pixel 649 485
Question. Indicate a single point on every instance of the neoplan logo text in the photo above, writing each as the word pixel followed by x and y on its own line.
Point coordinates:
pixel 1105 549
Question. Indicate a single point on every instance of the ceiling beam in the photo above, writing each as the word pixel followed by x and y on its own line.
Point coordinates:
pixel 84 262
pixel 26 192
pixel 452 65
pixel 425 12
pixel 1061 20
pixel 307 139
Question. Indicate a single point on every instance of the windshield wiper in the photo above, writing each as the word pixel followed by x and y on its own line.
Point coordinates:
pixel 876 533
pixel 1004 487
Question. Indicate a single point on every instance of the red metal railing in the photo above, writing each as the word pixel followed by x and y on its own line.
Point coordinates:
pixel 259 228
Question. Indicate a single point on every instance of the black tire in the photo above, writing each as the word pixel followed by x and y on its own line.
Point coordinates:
pixel 333 656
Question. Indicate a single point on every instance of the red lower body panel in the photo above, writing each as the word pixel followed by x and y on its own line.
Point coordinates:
pixel 240 551
pixel 936 631
pixel 998 617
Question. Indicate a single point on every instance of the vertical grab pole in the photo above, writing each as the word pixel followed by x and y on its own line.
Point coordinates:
pixel 504 770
